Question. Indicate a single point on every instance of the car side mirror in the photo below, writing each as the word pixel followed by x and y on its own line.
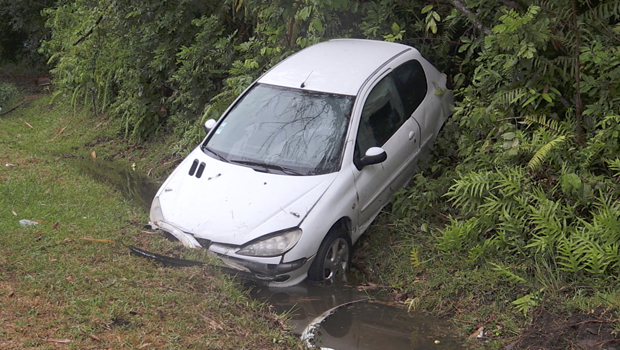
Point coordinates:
pixel 209 125
pixel 374 155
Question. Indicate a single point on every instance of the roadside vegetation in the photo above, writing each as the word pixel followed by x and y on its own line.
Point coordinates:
pixel 513 221
pixel 66 275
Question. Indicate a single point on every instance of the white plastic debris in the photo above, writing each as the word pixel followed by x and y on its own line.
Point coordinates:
pixel 25 222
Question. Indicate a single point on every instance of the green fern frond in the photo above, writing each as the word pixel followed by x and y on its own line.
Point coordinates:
pixel 544 152
pixel 601 13
pixel 507 98
pixel 549 124
pixel 570 255
pixel 615 166
pixel 414 257
pixel 528 302
pixel 548 219
pixel 508 274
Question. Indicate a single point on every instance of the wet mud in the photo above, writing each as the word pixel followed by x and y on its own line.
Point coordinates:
pixel 364 320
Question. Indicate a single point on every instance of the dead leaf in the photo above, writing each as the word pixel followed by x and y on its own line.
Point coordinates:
pixel 93 154
pixel 98 240
pixel 59 341
pixel 11 293
pixel 68 239
pixel 14 213
pixel 212 323
pixel 476 334
pixel 53 260
pixel 94 337
pixel 68 278
pixel 58 134
pixel 400 296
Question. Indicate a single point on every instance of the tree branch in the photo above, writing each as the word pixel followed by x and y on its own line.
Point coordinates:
pixel 460 6
pixel 89 32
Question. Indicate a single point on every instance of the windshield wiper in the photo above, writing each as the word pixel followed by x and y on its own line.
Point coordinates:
pixel 266 166
pixel 219 156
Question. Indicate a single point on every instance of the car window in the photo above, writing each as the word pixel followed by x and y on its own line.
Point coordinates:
pixel 300 131
pixel 412 86
pixel 382 115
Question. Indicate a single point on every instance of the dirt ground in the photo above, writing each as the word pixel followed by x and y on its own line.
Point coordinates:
pixel 550 331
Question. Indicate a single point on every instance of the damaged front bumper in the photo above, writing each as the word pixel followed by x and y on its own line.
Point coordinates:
pixel 271 271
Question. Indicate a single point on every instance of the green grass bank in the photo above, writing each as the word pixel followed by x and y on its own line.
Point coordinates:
pixel 69 281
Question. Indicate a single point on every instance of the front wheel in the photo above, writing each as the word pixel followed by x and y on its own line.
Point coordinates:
pixel 332 259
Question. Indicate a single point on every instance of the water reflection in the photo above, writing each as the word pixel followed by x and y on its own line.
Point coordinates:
pixel 371 323
pixel 133 185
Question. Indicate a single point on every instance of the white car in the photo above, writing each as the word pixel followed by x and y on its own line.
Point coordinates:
pixel 302 162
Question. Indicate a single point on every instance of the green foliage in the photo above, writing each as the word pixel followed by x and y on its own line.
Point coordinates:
pixel 8 92
pixel 526 169
pixel 21 30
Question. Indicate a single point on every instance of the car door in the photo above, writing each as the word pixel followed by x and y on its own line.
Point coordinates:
pixel 413 90
pixel 383 123
pixel 419 99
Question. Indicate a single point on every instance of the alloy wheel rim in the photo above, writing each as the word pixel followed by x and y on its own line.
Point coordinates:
pixel 336 259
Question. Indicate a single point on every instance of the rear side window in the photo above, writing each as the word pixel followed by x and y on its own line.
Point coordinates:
pixel 411 82
pixel 382 115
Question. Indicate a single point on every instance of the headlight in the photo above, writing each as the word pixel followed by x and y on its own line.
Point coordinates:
pixel 273 244
pixel 156 214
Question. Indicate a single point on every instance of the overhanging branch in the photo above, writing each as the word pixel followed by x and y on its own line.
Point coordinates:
pixel 461 7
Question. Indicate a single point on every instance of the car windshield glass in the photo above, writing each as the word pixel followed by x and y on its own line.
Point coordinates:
pixel 283 130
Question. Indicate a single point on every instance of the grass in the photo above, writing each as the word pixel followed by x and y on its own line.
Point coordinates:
pixel 71 280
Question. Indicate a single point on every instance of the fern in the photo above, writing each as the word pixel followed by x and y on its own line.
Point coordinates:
pixel 570 255
pixel 414 256
pixel 457 234
pixel 548 222
pixel 508 274
pixel 544 153
pixel 615 166
pixel 528 302
pixel 469 191
pixel 549 124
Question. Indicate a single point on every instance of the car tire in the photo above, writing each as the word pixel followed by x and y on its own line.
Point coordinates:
pixel 332 259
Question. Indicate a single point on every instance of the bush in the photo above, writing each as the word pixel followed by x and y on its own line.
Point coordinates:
pixel 8 91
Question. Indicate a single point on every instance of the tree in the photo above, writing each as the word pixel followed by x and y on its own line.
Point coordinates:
pixel 21 31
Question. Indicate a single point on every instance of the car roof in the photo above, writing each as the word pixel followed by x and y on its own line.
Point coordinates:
pixel 339 66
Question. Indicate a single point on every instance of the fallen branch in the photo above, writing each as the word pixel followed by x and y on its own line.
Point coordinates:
pixel 27 99
pixel 30 126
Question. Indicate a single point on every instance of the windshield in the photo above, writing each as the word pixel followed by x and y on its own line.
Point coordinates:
pixel 283 130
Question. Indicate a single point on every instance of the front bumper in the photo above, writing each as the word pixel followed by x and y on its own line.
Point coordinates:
pixel 272 271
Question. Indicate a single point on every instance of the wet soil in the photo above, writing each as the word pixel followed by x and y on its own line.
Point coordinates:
pixel 549 330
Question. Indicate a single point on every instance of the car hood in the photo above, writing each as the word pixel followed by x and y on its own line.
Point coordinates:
pixel 233 204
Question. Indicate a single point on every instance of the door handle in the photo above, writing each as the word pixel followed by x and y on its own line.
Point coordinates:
pixel 412 136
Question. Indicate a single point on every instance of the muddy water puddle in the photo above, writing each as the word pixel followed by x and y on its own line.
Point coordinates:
pixel 346 318
pixel 132 184
pixel 332 316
